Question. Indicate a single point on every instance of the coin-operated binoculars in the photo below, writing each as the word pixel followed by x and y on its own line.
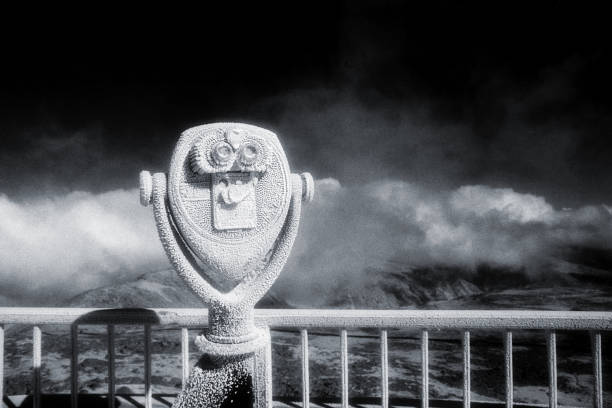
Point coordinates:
pixel 227 215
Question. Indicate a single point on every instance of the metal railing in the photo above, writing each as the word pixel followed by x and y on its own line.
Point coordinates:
pixel 304 319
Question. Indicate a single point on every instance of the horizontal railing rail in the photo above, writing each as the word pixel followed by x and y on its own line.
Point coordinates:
pixel 324 318
pixel 424 321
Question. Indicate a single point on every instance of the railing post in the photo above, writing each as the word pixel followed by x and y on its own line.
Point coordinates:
pixel 466 369
pixel 424 369
pixel 36 365
pixel 384 368
pixel 344 368
pixel 184 357
pixel 508 369
pixel 597 370
pixel 305 370
pixel 1 363
pixel 551 346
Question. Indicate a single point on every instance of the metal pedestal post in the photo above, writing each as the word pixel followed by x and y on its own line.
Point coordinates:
pixel 242 380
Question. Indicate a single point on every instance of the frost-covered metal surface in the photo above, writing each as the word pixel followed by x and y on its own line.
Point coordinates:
pixel 438 319
pixel 326 318
pixel 229 201
pixel 227 215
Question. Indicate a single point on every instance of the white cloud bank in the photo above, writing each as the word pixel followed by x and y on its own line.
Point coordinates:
pixel 348 230
pixel 60 246
pixel 51 248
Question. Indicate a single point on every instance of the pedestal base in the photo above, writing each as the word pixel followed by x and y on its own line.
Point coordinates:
pixel 230 381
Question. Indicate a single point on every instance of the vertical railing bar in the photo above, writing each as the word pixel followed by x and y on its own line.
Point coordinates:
pixel 74 365
pixel 597 370
pixel 508 369
pixel 344 368
pixel 111 365
pixel 147 366
pixel 36 363
pixel 425 369
pixel 305 372
pixel 384 368
pixel 551 345
pixel 1 363
pixel 184 356
pixel 466 369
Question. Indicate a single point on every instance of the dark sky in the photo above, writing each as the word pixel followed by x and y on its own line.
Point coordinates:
pixel 505 94
pixel 441 133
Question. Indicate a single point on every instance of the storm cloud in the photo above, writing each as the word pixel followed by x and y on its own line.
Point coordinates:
pixel 350 232
pixel 55 247
pixel 436 134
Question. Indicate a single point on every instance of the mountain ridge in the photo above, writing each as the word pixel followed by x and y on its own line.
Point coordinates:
pixel 157 289
pixel 393 284
pixel 164 289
